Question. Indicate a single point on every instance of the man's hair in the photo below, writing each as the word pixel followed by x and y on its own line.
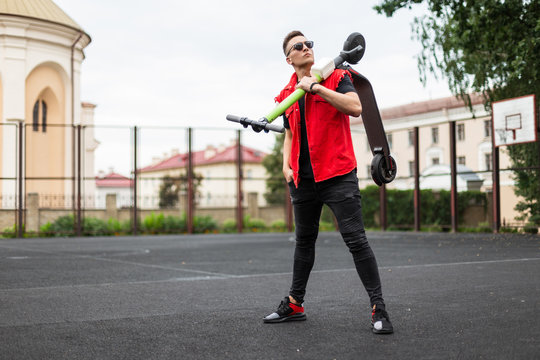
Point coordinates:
pixel 288 38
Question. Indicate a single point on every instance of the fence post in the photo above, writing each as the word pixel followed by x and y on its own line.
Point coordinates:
pixel 417 223
pixel 135 148
pixel 496 193
pixel 453 178
pixel 20 180
pixel 239 212
pixel 189 171
pixel 78 224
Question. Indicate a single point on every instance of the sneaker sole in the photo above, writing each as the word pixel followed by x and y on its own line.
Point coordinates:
pixel 296 317
pixel 382 332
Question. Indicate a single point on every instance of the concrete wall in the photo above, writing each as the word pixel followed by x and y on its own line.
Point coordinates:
pixel 36 217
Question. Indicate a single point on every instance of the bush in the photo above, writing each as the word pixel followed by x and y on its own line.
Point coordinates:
pixel 63 226
pixel 278 226
pixel 10 232
pixel 255 225
pixel 175 224
pixel 229 226
pixel 435 207
pixel 326 226
pixel 530 229
pixel 153 224
pixel 46 230
pixel 95 227
pixel 204 224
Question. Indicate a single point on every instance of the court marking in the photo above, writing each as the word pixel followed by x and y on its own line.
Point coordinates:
pixel 219 276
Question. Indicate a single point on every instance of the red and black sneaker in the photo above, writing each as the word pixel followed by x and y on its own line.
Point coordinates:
pixel 287 311
pixel 380 321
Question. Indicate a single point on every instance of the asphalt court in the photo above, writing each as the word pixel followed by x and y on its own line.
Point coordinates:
pixel 450 296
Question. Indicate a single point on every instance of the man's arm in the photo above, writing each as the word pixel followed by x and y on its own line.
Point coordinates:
pixel 348 103
pixel 287 171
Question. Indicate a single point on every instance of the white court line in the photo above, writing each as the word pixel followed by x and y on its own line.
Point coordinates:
pixel 218 276
pixel 119 261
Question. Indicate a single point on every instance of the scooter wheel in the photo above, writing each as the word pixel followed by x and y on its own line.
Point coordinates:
pixel 379 171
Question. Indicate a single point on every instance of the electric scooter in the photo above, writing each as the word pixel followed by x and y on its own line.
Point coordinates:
pixel 383 165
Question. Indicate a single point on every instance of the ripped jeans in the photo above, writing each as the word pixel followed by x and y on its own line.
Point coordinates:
pixel 342 196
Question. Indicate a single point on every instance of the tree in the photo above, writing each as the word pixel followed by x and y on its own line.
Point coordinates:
pixel 275 183
pixel 171 187
pixel 489 47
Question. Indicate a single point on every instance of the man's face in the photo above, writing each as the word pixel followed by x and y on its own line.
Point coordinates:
pixel 299 57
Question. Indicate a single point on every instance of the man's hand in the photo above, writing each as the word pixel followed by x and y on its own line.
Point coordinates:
pixel 288 173
pixel 348 103
pixel 306 82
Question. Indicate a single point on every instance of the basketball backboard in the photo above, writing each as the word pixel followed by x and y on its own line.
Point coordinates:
pixel 514 120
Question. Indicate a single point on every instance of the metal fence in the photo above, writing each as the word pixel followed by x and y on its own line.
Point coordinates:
pixel 54 174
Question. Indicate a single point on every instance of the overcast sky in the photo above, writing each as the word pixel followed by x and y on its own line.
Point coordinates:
pixel 179 63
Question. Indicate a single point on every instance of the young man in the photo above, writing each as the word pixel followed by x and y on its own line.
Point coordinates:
pixel 320 168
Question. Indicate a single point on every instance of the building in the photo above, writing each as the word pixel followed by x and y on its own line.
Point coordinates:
pixel 41 51
pixel 473 148
pixel 218 168
pixel 113 183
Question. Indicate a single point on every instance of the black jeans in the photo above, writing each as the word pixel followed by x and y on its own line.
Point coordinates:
pixel 342 196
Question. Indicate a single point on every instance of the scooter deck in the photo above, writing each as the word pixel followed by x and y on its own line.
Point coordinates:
pixel 370 114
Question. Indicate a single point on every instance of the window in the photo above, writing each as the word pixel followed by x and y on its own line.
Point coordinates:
pixel 368 147
pixel 461 160
pixel 368 171
pixel 460 132
pixel 411 137
pixel 488 160
pixel 43 116
pixel 487 128
pixel 411 168
pixel 435 135
pixel 36 116
pixel 435 161
pixel 389 139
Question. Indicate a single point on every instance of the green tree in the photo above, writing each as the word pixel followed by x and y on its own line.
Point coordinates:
pixel 171 187
pixel 275 183
pixel 489 47
pixel 168 193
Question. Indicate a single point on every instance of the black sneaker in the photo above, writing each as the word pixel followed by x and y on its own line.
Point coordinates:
pixel 380 321
pixel 287 311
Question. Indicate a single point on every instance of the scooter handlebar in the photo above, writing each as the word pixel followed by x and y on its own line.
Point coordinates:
pixel 257 125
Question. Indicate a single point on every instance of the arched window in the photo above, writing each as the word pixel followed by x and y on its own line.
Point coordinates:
pixel 36 117
pixel 43 116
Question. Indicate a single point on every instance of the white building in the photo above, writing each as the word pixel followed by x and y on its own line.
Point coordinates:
pixel 218 168
pixel 473 148
pixel 41 51
pixel 113 183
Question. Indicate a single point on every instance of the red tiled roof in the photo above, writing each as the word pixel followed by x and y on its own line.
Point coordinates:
pixel 227 155
pixel 423 107
pixel 113 180
pixel 428 106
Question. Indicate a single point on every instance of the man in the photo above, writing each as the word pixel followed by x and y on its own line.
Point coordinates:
pixel 320 168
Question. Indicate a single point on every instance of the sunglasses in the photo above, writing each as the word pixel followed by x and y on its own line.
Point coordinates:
pixel 300 45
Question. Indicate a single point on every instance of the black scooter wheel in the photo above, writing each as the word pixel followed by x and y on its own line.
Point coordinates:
pixel 379 171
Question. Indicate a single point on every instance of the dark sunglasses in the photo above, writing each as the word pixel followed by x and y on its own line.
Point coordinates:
pixel 300 45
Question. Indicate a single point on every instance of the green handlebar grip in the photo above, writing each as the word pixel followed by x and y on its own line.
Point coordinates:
pixel 287 103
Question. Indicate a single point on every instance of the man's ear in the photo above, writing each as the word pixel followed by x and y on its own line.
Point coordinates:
pixel 288 59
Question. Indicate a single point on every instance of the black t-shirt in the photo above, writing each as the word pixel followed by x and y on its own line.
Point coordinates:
pixel 306 171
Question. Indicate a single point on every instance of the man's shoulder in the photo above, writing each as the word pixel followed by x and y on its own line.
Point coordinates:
pixel 290 87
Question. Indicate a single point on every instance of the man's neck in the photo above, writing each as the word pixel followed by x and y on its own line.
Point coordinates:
pixel 303 71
